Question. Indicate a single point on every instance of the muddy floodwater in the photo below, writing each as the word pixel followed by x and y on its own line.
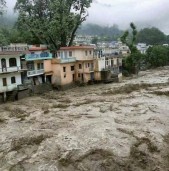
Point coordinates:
pixel 105 127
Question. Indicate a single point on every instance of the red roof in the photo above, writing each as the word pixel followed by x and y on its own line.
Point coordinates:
pixel 12 52
pixel 77 47
pixel 37 48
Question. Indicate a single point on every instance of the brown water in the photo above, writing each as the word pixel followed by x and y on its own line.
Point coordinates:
pixel 107 127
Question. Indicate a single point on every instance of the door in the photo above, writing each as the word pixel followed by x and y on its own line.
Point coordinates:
pixel 82 77
pixel 92 76
pixel 73 77
pixel 3 63
pixel 4 81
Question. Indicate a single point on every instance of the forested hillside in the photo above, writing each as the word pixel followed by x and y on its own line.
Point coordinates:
pixel 112 32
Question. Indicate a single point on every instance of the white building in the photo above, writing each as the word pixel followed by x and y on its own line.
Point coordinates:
pixel 10 71
pixel 142 47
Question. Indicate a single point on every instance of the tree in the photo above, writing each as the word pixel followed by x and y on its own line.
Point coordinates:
pixel 94 40
pixel 53 22
pixel 132 62
pixel 157 56
pixel 2 4
pixel 151 36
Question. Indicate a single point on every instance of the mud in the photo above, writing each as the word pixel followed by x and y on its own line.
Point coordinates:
pixel 107 127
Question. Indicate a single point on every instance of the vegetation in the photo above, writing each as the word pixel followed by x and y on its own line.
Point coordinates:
pixel 152 36
pixel 132 63
pixel 105 33
pixel 2 5
pixel 53 22
pixel 156 56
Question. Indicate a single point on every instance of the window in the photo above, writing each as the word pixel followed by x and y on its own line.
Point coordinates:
pixel 30 65
pixel 79 75
pixel 12 62
pixel 40 66
pixel 70 53
pixel 90 52
pixel 64 75
pixel 13 81
pixel 4 81
pixel 86 53
pixel 88 65
pixel 64 69
pixel 72 68
pixel 112 62
pixel 80 66
pixel 3 63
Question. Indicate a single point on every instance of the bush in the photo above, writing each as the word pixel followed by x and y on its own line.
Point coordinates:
pixel 125 73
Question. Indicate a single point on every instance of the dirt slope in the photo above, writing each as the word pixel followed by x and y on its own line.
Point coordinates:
pixel 107 127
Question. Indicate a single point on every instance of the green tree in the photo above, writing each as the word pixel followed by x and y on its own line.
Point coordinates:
pixel 132 62
pixel 151 36
pixel 4 36
pixel 53 22
pixel 2 5
pixel 157 56
pixel 94 40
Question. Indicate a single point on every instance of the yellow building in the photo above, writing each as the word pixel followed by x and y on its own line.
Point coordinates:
pixel 72 64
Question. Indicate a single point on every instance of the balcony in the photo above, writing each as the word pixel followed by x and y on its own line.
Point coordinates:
pixel 91 69
pixel 63 60
pixel 6 70
pixel 8 88
pixel 35 72
pixel 67 60
pixel 41 56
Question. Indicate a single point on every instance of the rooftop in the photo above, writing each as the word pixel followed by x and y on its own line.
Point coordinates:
pixel 77 47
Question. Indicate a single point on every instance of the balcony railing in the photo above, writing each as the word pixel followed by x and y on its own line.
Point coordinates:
pixel 11 69
pixel 35 72
pixel 91 69
pixel 67 60
pixel 41 56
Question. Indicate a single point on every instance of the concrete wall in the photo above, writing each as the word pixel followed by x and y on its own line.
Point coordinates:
pixel 97 76
pixel 100 64
pixel 61 78
pixel 81 54
pixel 77 53
pixel 47 66
pixel 10 86
pixel 85 70
pixel 7 57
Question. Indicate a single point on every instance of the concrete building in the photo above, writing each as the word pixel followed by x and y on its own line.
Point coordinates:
pixel 35 63
pixel 11 69
pixel 73 64
pixel 62 72
pixel 107 65
pixel 142 47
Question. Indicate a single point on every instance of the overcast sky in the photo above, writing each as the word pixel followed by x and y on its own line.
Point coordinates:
pixel 144 13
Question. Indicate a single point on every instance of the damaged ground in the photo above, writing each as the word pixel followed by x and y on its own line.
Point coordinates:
pixel 107 127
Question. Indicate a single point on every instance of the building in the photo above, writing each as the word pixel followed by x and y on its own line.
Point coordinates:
pixel 11 69
pixel 35 63
pixel 61 72
pixel 142 47
pixel 72 64
pixel 108 65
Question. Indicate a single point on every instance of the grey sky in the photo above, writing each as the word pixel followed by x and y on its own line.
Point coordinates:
pixel 144 13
